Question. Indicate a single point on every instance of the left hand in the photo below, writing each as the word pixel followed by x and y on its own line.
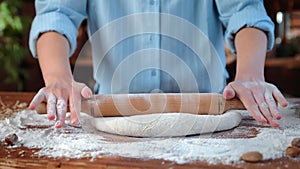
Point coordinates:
pixel 259 98
pixel 58 94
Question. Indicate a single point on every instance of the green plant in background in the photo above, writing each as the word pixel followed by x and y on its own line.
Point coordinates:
pixel 13 26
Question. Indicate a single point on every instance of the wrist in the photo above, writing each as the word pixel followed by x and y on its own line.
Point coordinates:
pixel 249 77
pixel 250 72
pixel 58 78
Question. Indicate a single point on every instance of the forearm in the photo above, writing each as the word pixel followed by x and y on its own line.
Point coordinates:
pixel 251 46
pixel 61 89
pixel 260 98
pixel 53 51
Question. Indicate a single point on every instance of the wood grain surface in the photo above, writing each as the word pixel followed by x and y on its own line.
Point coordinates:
pixel 113 105
pixel 22 157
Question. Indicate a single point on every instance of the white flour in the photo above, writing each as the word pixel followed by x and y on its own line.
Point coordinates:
pixel 74 142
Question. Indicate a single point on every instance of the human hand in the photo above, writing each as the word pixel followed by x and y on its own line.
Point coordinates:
pixel 58 96
pixel 259 98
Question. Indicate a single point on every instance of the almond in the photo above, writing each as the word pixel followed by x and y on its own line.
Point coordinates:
pixel 296 142
pixel 11 139
pixel 253 156
pixel 292 151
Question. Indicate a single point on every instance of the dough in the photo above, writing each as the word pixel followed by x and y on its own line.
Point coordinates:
pixel 168 124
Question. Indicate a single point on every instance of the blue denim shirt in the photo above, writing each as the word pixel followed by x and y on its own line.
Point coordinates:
pixel 150 45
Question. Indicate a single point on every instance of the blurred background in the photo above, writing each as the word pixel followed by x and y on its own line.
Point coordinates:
pixel 19 71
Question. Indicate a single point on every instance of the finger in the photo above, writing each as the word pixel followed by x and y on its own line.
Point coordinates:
pixel 249 102
pixel 51 106
pixel 228 92
pixel 75 107
pixel 259 96
pixel 75 102
pixel 263 106
pixel 255 112
pixel 78 90
pixel 37 99
pixel 61 108
pixel 279 97
pixel 272 105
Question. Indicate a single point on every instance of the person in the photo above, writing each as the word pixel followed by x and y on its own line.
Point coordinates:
pixel 144 46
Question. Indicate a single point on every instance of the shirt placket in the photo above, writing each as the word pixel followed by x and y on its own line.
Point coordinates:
pixel 153 40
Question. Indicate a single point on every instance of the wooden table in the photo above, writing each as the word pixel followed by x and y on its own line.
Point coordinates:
pixel 11 158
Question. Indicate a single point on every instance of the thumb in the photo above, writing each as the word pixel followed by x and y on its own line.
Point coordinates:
pixel 86 92
pixel 228 92
pixel 75 105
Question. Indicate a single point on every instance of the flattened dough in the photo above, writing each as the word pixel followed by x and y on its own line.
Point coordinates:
pixel 167 124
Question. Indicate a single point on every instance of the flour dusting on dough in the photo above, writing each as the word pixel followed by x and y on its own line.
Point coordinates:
pixel 168 124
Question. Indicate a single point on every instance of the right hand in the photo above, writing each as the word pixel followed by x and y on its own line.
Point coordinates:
pixel 58 96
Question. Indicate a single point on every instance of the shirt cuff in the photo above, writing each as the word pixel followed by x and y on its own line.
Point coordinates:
pixel 254 18
pixel 52 22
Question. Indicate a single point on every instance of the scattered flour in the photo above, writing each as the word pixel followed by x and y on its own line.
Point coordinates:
pixel 35 131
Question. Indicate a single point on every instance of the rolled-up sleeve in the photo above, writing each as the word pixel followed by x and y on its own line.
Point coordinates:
pixel 236 14
pixel 62 16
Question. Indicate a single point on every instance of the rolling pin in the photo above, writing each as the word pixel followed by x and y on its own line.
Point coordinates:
pixel 111 105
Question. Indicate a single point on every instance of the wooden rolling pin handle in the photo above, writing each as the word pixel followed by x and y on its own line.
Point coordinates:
pixel 233 104
pixel 42 108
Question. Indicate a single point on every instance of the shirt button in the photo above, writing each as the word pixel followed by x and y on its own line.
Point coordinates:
pixel 152 2
pixel 157 91
pixel 153 73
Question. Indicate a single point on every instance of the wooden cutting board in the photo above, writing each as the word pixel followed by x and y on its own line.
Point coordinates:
pixel 23 157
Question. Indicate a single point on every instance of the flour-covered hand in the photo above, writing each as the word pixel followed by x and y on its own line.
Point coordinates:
pixel 260 98
pixel 58 96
